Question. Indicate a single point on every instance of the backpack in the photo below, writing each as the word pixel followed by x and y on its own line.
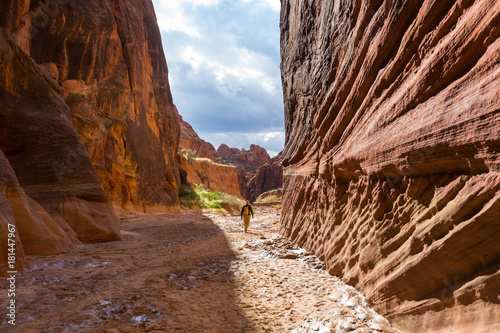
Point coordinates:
pixel 246 211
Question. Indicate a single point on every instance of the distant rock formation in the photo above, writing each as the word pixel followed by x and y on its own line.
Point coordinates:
pixel 190 140
pixel 392 156
pixel 267 177
pixel 217 177
pixel 249 160
pixel 86 116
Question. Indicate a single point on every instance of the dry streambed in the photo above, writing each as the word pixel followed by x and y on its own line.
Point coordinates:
pixel 188 273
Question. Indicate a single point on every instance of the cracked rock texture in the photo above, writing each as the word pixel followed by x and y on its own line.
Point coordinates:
pixel 392 155
pixel 86 120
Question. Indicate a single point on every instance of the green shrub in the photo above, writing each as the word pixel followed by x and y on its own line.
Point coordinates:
pixel 188 197
pixel 189 154
pixel 75 97
pixel 217 200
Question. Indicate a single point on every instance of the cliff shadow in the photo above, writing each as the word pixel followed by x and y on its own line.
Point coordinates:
pixel 171 272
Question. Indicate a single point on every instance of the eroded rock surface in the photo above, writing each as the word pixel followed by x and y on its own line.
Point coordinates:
pixel 249 160
pixel 46 154
pixel 189 139
pixel 86 120
pixel 392 155
pixel 106 60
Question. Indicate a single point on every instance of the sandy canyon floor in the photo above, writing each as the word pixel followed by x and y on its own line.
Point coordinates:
pixel 188 272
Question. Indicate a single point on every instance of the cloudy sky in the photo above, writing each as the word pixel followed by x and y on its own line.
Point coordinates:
pixel 223 59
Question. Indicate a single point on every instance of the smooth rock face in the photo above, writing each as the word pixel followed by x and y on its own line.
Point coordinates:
pixel 392 153
pixel 217 177
pixel 37 232
pixel 106 59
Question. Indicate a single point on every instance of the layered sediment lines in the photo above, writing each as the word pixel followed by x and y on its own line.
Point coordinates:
pixel 392 155
pixel 86 120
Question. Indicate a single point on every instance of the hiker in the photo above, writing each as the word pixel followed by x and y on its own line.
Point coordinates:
pixel 245 214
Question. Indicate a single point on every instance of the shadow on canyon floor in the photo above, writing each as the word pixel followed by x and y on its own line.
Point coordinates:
pixel 169 271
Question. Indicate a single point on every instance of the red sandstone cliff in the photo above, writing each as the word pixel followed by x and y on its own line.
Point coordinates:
pixel 267 177
pixel 217 177
pixel 108 59
pixel 189 139
pixel 392 153
pixel 249 160
pixel 86 116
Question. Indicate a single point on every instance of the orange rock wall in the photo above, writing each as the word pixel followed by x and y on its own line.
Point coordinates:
pixel 86 116
pixel 189 139
pixel 392 155
pixel 48 187
pixel 217 177
pixel 107 61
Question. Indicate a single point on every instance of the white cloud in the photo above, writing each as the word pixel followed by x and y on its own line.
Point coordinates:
pixel 178 22
pixel 223 59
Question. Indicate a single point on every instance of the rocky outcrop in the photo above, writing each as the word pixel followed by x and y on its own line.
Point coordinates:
pixel 217 177
pixel 35 230
pixel 189 139
pixel 267 177
pixel 249 160
pixel 105 58
pixel 392 154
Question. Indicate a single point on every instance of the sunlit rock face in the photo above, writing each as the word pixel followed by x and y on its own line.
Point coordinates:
pixel 217 177
pixel 106 60
pixel 247 159
pixel 189 139
pixel 248 162
pixel 392 153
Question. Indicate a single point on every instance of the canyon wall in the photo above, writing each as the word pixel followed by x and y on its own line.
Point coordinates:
pixel 392 155
pixel 248 160
pixel 105 59
pixel 86 120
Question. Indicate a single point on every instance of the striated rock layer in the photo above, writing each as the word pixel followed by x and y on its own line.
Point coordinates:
pixel 105 59
pixel 392 156
pixel 86 116
pixel 48 187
